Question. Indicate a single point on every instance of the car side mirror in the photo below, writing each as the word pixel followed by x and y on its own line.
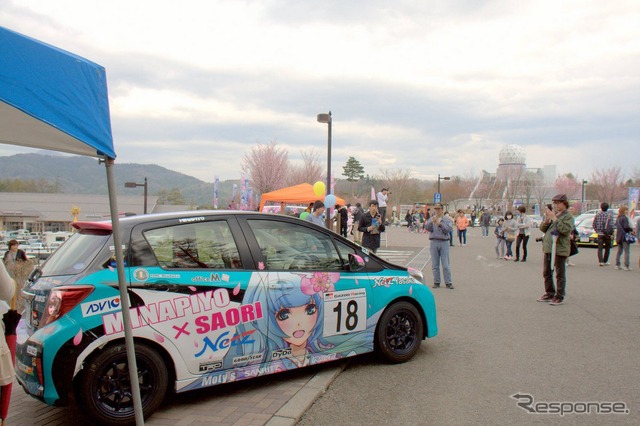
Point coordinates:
pixel 356 263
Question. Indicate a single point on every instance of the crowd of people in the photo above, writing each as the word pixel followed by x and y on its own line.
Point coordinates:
pixel 512 231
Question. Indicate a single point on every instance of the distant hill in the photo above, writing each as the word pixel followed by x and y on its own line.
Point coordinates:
pixel 83 175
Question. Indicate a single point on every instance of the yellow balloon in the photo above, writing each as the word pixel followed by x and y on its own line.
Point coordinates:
pixel 318 188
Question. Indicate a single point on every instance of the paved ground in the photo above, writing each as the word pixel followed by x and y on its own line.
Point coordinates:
pixel 274 400
pixel 283 399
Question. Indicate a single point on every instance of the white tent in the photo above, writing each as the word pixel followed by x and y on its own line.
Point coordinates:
pixel 53 99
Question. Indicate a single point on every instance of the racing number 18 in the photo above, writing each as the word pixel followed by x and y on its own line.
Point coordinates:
pixel 351 320
pixel 343 311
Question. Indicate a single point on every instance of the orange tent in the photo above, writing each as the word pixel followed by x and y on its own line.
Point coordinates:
pixel 298 194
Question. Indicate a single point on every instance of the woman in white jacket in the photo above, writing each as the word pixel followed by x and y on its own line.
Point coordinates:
pixel 7 289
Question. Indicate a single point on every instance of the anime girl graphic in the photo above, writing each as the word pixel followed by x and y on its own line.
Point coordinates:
pixel 290 335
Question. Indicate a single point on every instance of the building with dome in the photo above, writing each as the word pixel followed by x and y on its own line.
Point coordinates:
pixel 512 162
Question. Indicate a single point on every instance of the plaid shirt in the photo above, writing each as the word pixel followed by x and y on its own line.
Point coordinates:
pixel 600 221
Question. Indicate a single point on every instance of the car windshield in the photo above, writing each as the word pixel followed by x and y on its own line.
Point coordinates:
pixel 74 255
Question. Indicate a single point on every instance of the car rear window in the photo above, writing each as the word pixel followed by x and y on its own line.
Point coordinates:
pixel 75 255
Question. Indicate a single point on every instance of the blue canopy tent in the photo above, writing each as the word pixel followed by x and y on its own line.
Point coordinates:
pixel 55 100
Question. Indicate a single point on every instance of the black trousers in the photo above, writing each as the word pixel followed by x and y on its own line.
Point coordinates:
pixel 524 239
pixel 604 247
pixel 560 263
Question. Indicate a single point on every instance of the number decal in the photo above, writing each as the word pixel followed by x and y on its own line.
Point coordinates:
pixel 345 312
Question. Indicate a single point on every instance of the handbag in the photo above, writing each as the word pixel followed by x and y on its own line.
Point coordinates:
pixel 630 238
pixel 573 248
pixel 511 237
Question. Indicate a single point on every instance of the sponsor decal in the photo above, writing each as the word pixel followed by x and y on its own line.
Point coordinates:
pixel 281 353
pixel 191 219
pixel 389 281
pixel 218 378
pixel 317 359
pixel 247 358
pixel 224 342
pixel 101 306
pixel 32 350
pixel 212 278
pixel 210 366
pixel 164 276
pixel 24 368
pixel 40 298
pixel 141 274
pixel 257 370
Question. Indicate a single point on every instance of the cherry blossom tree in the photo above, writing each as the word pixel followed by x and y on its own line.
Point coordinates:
pixel 311 170
pixel 607 185
pixel 266 166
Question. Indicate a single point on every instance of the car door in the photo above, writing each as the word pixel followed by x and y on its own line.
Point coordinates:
pixel 316 306
pixel 189 276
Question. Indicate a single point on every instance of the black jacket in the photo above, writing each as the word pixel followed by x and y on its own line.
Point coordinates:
pixel 370 240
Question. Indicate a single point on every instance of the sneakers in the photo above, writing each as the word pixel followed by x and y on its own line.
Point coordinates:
pixel 436 285
pixel 545 298
pixel 556 301
pixel 618 267
pixel 627 268
pixel 450 286
pixel 517 260
pixel 601 264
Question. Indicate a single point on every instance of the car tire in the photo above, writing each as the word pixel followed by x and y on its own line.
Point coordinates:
pixel 399 332
pixel 104 390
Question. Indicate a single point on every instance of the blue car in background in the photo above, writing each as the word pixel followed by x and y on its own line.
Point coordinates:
pixel 216 297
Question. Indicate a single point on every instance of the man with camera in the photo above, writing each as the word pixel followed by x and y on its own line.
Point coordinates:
pixel 383 197
pixel 557 226
pixel 371 225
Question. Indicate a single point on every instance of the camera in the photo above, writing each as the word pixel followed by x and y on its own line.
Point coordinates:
pixel 539 239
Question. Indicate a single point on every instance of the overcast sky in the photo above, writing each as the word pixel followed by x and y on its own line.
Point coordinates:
pixel 427 86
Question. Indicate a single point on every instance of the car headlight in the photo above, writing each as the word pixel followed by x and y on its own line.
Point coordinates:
pixel 416 274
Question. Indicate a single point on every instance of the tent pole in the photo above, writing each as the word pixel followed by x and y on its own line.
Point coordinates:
pixel 124 297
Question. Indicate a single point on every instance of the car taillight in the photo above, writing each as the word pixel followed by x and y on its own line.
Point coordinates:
pixel 39 369
pixel 62 299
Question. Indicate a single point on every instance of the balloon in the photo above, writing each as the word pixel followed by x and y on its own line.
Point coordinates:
pixel 304 215
pixel 318 188
pixel 330 201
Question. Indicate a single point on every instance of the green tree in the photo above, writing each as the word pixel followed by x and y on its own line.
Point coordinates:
pixel 353 170
pixel 172 197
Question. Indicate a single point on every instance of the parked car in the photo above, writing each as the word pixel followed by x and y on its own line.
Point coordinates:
pixel 216 297
pixel 587 235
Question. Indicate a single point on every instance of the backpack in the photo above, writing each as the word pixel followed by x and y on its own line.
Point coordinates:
pixel 609 226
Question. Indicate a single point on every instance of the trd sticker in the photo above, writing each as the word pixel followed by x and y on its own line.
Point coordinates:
pixel 210 366
pixel 101 306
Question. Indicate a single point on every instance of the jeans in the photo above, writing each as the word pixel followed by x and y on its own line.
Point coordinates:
pixel 604 242
pixel 524 239
pixel 623 246
pixel 439 250
pixel 561 276
pixel 462 236
pixel 485 230
pixel 509 252
pixel 500 247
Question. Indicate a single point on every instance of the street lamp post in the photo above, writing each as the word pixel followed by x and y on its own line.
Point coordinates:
pixel 135 185
pixel 584 182
pixel 326 118
pixel 439 179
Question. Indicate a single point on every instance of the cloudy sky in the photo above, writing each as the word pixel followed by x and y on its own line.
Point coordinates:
pixel 427 86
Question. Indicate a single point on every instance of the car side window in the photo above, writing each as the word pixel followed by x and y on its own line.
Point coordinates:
pixel 208 245
pixel 287 246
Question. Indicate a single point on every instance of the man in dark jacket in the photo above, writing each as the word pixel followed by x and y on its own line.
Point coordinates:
pixel 557 227
pixel 344 219
pixel 371 226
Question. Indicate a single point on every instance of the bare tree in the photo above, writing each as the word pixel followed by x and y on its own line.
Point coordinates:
pixel 607 185
pixel 266 166
pixel 311 170
pixel 399 182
